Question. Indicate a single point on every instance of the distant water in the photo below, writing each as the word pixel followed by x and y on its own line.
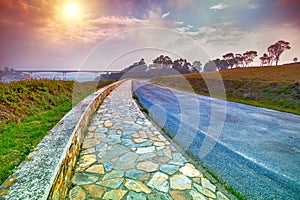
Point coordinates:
pixel 80 77
pixel 257 151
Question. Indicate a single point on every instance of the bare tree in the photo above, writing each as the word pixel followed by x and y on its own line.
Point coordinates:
pixel 275 50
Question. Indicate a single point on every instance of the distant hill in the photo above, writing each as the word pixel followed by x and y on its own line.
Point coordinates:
pixel 275 87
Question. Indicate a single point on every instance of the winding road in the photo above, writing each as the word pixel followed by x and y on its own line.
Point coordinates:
pixel 254 150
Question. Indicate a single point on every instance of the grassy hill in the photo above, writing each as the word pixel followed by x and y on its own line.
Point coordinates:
pixel 28 110
pixel 270 87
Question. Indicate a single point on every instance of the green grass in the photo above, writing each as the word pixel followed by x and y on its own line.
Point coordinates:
pixel 19 139
pixel 271 87
pixel 142 108
pixel 26 98
pixel 28 110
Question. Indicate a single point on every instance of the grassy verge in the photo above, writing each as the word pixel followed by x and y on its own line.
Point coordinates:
pixel 28 110
pixel 276 88
pixel 142 108
pixel 19 139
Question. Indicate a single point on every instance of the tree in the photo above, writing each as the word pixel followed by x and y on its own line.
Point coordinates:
pixel 221 64
pixel 295 59
pixel 275 50
pixel 186 66
pixel 239 60
pixel 229 57
pixel 196 66
pixel 265 59
pixel 165 60
pixel 142 62
pixel 249 57
pixel 176 65
pixel 158 60
pixel 141 65
pixel 182 66
pixel 210 66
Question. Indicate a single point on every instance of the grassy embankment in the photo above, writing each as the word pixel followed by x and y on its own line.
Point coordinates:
pixel 269 87
pixel 28 110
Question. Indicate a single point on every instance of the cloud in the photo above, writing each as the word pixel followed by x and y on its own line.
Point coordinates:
pixel 218 40
pixel 179 22
pixel 145 42
pixel 165 15
pixel 36 34
pixel 219 6
pixel 184 29
pixel 180 4
pixel 21 13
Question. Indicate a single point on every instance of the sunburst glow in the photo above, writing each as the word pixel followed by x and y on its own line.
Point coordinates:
pixel 72 10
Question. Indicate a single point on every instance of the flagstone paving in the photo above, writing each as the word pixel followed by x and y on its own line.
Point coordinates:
pixel 125 157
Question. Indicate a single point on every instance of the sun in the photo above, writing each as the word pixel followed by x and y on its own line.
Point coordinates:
pixel 72 10
pixel 70 13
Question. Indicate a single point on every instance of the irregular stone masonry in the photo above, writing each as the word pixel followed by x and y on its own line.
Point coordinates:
pixel 125 157
pixel 46 173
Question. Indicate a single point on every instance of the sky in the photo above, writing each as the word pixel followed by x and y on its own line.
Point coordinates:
pixel 112 34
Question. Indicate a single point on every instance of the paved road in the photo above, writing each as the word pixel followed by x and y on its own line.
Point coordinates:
pixel 255 150
pixel 125 157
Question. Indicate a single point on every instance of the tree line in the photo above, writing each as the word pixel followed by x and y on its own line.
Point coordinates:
pixel 164 65
pixel 163 62
pixel 246 59
pixel 228 60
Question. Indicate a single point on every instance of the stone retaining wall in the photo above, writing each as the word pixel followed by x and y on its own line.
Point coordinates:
pixel 47 171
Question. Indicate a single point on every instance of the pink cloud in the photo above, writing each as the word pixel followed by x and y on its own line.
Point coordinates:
pixel 33 33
